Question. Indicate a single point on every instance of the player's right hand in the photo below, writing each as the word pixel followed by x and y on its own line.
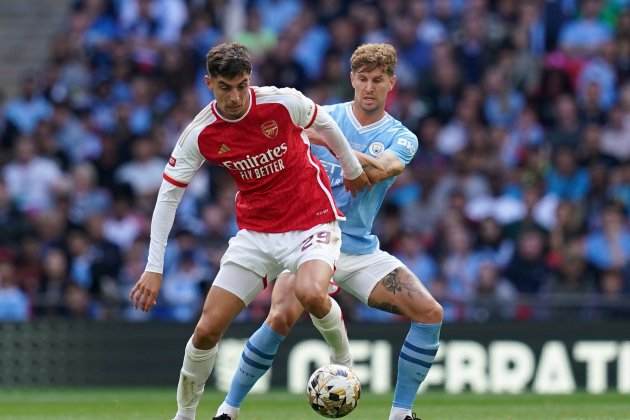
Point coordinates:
pixel 144 294
pixel 357 184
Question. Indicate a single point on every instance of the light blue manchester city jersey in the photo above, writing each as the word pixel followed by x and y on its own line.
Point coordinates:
pixel 386 134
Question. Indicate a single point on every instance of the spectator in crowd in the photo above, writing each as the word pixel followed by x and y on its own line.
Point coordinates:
pixel 616 135
pixel 461 265
pixel 527 270
pixel 496 295
pixel 608 247
pixel 586 34
pixel 257 38
pixel 521 188
pixel 566 180
pixel 182 289
pixel 29 108
pixel 411 252
pixel 613 285
pixel 31 179
pixel 14 304
pixel 144 171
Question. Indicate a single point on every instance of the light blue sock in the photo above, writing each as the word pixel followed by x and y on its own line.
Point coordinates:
pixel 416 357
pixel 257 357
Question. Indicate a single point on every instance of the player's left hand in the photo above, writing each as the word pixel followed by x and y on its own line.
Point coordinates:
pixel 144 293
pixel 357 184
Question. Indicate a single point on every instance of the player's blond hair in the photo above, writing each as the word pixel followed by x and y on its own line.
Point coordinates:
pixel 370 56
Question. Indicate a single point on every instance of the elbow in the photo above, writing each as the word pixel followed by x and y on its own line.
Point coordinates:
pixel 396 171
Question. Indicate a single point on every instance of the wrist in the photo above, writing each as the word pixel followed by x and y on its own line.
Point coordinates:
pixel 154 268
pixel 354 173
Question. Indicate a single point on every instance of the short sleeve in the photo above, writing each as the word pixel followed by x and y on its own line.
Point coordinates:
pixel 405 146
pixel 186 158
pixel 302 109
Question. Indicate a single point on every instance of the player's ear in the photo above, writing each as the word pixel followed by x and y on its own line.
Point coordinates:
pixel 392 82
pixel 208 81
pixel 352 78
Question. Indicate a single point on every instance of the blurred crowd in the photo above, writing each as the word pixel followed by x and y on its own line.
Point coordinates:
pixel 515 207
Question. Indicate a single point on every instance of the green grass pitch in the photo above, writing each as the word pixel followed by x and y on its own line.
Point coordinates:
pixel 158 404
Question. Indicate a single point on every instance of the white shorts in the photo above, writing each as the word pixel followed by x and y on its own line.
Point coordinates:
pixel 359 274
pixel 268 254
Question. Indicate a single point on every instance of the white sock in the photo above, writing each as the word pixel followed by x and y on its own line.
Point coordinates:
pixel 226 408
pixel 332 328
pixel 195 371
pixel 398 413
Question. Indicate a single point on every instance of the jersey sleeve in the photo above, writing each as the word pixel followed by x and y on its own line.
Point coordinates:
pixel 303 110
pixel 186 158
pixel 404 146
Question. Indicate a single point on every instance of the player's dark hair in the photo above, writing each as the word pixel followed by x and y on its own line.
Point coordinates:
pixel 228 60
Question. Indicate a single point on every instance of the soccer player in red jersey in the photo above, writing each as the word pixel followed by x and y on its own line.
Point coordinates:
pixel 284 208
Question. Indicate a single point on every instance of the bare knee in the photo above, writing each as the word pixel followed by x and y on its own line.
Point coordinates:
pixel 430 312
pixel 205 336
pixel 313 300
pixel 280 321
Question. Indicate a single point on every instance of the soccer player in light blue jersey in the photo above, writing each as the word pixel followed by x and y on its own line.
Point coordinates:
pixel 384 146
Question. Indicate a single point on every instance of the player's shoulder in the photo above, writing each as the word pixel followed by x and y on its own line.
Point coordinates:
pixel 402 140
pixel 265 94
pixel 335 109
pixel 203 119
pixel 205 116
pixel 397 129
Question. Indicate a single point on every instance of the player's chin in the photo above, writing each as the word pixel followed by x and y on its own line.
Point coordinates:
pixel 369 105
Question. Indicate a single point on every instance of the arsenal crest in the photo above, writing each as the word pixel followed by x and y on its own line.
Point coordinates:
pixel 269 128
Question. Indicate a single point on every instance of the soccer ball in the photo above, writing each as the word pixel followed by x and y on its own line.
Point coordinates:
pixel 333 391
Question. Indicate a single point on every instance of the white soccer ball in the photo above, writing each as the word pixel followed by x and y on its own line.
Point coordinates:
pixel 333 391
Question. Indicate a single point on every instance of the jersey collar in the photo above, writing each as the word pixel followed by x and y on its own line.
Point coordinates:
pixel 363 128
pixel 215 110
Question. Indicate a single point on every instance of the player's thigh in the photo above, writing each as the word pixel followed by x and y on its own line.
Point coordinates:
pixel 359 274
pixel 219 309
pixel 312 257
pixel 401 292
pixel 233 288
pixel 320 244
pixel 239 281
pixel 253 251
pixel 312 280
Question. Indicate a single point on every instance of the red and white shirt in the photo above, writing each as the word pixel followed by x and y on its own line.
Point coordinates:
pixel 281 186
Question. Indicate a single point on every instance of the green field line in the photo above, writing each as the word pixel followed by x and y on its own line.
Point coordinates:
pixel 159 404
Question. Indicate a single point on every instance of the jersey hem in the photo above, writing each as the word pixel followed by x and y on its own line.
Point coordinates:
pixel 301 227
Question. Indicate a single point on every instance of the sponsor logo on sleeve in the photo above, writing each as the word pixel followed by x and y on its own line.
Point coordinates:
pixel 410 145
pixel 172 161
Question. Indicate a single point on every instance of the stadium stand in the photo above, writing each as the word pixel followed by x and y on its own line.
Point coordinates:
pixel 515 207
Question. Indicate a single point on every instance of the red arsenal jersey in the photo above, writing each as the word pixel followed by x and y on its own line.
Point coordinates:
pixel 281 185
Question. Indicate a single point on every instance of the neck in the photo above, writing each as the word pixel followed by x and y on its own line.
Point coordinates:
pixel 228 117
pixel 367 118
